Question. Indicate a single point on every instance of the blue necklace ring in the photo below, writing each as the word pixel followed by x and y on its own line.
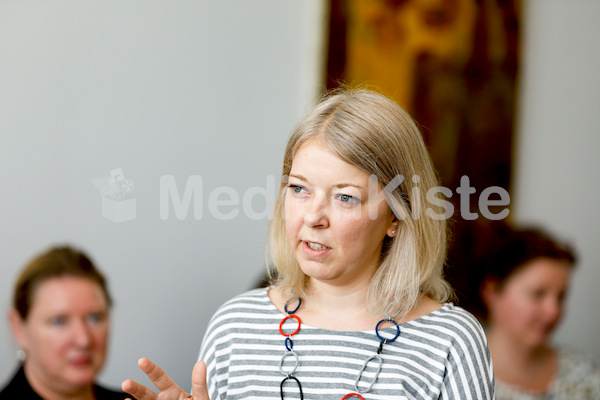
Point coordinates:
pixel 384 340
pixel 285 307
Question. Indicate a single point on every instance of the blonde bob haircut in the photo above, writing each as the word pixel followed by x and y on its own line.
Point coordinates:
pixel 373 133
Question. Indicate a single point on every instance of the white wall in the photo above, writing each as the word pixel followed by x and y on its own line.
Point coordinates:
pixel 558 163
pixel 208 88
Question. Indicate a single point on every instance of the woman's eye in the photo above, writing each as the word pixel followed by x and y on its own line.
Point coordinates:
pixel 537 294
pixel 561 297
pixel 297 189
pixel 95 318
pixel 346 198
pixel 58 321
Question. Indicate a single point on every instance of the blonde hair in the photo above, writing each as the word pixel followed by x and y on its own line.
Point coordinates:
pixel 373 133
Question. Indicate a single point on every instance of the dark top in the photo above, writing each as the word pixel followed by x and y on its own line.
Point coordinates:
pixel 19 388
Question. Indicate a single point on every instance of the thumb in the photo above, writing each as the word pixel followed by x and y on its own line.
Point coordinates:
pixel 199 388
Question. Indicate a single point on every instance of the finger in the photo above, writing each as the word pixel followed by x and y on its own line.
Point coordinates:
pixel 199 388
pixel 160 379
pixel 137 390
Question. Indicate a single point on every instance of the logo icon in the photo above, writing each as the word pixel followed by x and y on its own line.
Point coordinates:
pixel 118 204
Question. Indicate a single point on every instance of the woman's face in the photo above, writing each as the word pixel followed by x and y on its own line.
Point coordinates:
pixel 66 332
pixel 333 226
pixel 529 305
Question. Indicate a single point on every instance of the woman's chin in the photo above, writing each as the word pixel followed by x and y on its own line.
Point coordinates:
pixel 315 270
pixel 81 376
pixel 538 340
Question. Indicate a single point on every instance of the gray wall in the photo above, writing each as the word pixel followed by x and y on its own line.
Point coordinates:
pixel 559 139
pixel 180 88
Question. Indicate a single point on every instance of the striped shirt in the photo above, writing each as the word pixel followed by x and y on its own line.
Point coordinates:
pixel 442 355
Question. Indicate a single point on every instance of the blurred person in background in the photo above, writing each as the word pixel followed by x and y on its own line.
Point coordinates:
pixel 523 292
pixel 60 320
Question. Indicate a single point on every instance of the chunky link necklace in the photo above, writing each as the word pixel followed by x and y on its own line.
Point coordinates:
pixel 289 352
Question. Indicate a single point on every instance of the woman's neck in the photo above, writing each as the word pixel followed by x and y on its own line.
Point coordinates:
pixel 520 354
pixel 517 364
pixel 47 389
pixel 338 298
pixel 342 308
pixel 331 307
pixel 337 308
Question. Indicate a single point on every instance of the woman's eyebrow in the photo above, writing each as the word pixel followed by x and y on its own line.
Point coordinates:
pixel 343 185
pixel 340 185
pixel 297 176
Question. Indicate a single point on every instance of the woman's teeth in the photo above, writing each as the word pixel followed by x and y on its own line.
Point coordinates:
pixel 316 246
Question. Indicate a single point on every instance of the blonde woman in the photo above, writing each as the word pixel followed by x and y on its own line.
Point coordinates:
pixel 358 306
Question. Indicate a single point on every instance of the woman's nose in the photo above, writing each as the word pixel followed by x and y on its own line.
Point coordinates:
pixel 315 213
pixel 81 334
pixel 553 308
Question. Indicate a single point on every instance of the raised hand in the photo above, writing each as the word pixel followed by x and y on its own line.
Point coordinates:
pixel 168 390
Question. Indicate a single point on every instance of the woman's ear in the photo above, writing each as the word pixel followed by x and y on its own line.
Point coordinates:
pixel 17 326
pixel 489 291
pixel 393 228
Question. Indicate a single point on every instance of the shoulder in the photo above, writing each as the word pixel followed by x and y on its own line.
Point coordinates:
pixel 18 387
pixel 578 377
pixel 577 369
pixel 245 313
pixel 451 323
pixel 572 359
pixel 454 335
pixel 103 393
pixel 468 363
pixel 253 302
